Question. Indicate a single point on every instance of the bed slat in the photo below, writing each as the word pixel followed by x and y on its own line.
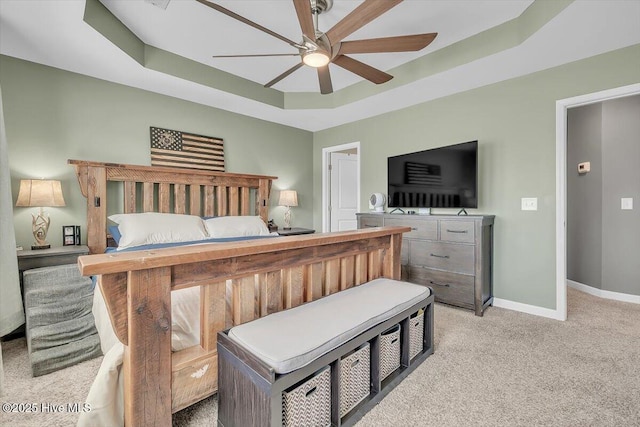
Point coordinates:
pixel 164 201
pixel 346 272
pixel 212 313
pixel 313 282
pixel 179 199
pixel 271 294
pixel 194 200
pixel 129 197
pixel 209 201
pixel 147 197
pixel 293 286
pixel 234 201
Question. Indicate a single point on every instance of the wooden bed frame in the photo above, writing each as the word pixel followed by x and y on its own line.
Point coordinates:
pixel 238 281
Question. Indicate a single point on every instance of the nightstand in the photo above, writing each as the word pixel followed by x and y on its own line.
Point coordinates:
pixel 28 259
pixel 294 231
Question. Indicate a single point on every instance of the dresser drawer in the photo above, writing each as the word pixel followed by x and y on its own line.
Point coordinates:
pixel 420 229
pixel 452 257
pixel 457 231
pixel 370 221
pixel 447 287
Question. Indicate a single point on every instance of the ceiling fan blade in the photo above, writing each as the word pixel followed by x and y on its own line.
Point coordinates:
pixel 358 18
pixel 248 22
pixel 363 70
pixel 388 44
pixel 324 77
pixel 283 75
pixel 255 55
pixel 303 10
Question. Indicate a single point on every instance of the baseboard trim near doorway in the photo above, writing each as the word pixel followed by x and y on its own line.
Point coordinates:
pixel 618 296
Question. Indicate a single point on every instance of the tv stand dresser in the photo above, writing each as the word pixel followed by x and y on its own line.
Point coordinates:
pixel 452 254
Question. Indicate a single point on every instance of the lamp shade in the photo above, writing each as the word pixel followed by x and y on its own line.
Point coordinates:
pixel 288 198
pixel 40 193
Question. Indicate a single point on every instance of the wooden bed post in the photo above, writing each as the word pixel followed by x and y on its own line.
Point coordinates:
pixel 147 358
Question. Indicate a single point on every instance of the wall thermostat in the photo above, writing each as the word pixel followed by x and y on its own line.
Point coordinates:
pixel 584 167
pixel 377 200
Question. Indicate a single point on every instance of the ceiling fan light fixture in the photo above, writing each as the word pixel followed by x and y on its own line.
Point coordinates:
pixel 316 58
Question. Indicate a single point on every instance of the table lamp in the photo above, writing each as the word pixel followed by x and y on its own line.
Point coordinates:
pixel 288 198
pixel 40 193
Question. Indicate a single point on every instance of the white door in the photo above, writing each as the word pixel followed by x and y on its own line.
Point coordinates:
pixel 344 191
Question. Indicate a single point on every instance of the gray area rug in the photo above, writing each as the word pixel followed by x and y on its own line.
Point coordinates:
pixel 504 369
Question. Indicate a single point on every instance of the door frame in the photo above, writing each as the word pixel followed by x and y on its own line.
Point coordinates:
pixel 326 176
pixel 562 106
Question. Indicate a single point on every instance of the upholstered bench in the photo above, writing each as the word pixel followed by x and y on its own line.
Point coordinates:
pixel 261 361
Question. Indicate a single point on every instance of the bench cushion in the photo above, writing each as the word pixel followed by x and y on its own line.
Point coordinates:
pixel 291 339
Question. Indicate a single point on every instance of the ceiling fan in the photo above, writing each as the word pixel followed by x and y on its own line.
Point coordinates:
pixel 317 49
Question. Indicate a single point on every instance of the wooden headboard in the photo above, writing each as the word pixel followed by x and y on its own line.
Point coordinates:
pixel 168 190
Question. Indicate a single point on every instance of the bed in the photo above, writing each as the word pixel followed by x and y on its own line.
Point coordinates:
pixel 235 281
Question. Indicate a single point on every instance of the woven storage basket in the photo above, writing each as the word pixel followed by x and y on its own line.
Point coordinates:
pixel 416 334
pixel 389 351
pixel 309 404
pixel 355 378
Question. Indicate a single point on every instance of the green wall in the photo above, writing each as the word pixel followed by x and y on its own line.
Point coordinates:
pixel 514 122
pixel 53 115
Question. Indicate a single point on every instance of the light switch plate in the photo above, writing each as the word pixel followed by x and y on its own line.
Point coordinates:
pixel 626 203
pixel 529 203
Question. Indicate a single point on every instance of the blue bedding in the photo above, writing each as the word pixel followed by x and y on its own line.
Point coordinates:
pixel 193 242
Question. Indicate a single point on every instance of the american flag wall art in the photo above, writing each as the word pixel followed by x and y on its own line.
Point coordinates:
pixel 177 149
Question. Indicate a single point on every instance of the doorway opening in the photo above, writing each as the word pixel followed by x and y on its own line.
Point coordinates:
pixel 340 186
pixel 561 182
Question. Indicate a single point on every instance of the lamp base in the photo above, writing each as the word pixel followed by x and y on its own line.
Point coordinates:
pixel 36 247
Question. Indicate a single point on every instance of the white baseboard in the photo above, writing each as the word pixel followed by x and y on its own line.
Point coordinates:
pixel 618 296
pixel 526 308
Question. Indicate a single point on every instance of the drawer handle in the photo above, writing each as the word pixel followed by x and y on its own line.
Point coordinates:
pixel 446 285
pixel 311 391
pixel 370 226
pixel 440 256
pixel 414 229
pixel 456 231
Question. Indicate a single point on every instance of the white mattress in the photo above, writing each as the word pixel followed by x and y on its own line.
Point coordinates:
pixel 185 319
pixel 291 339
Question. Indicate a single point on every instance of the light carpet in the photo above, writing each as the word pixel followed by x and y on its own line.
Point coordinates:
pixel 504 369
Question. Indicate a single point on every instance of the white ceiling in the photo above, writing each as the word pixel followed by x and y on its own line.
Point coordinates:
pixel 197 32
pixel 52 32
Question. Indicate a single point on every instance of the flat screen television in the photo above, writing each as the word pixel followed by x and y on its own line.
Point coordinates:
pixel 444 177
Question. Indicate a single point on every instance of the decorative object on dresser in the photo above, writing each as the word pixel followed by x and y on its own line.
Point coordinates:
pixel 377 201
pixel 186 150
pixel 40 193
pixel 288 198
pixel 452 254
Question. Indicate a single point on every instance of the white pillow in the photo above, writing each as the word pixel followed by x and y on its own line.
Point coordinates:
pixel 151 228
pixel 236 226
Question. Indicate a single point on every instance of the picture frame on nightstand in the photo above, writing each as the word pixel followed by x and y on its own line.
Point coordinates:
pixel 70 235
